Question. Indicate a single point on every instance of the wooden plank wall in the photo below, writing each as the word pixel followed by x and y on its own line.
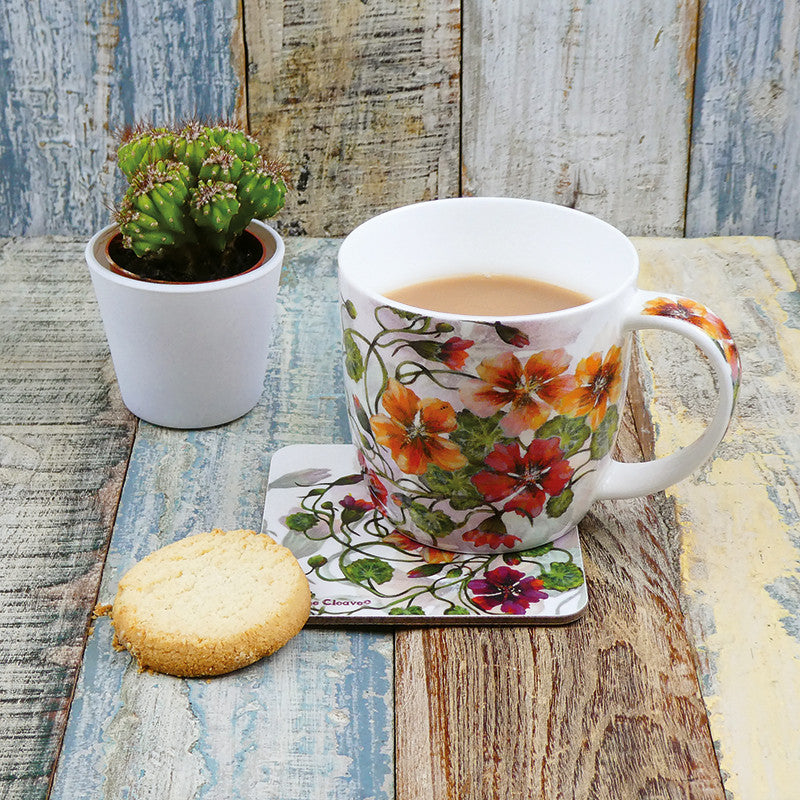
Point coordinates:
pixel 665 117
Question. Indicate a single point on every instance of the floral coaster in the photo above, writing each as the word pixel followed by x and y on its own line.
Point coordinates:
pixel 362 571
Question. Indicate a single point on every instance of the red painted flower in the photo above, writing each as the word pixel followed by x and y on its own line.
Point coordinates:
pixel 524 479
pixel 414 430
pixel 431 555
pixel 528 392
pixel 454 352
pixel 494 540
pixel 599 382
pixel 377 491
pixel 507 588
pixel 491 532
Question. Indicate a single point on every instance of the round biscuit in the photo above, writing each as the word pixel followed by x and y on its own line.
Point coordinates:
pixel 210 603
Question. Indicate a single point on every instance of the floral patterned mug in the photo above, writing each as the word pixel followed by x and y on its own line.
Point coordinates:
pixel 484 434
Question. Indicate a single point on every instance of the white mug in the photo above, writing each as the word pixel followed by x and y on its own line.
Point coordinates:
pixel 494 434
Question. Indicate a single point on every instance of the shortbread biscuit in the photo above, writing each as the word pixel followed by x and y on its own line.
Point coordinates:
pixel 210 603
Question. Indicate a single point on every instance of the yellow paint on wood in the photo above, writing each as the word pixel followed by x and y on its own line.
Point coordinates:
pixel 739 514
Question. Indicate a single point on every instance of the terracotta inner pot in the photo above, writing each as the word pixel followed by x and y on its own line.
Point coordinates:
pixel 251 252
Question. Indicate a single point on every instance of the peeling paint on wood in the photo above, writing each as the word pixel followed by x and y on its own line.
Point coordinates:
pixel 65 438
pixel 360 99
pixel 739 514
pixel 70 81
pixel 746 131
pixel 582 104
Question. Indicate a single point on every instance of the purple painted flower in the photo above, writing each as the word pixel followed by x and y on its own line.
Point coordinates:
pixel 507 588
pixel 353 504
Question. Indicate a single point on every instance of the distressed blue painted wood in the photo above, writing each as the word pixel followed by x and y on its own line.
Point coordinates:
pixel 65 438
pixel 69 80
pixel 745 153
pixel 590 108
pixel 315 719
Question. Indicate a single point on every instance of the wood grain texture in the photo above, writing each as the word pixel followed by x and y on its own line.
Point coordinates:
pixel 360 99
pixel 315 719
pixel 607 707
pixel 64 442
pixel 70 80
pixel 739 514
pixel 582 104
pixel 746 130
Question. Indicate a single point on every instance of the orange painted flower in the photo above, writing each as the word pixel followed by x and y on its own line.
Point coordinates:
pixel 599 381
pixel 699 316
pixel 413 430
pixel 528 392
pixel 431 555
pixel 689 311
pixel 494 540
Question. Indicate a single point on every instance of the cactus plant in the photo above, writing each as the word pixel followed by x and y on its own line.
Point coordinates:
pixel 193 189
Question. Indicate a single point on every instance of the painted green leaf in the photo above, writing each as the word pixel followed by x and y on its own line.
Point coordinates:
pixel 536 552
pixel 603 438
pixel 368 569
pixel 317 561
pixel 411 315
pixel 348 480
pixel 460 610
pixel 436 523
pixel 353 362
pixel 363 419
pixel 511 335
pixel 557 505
pixel 413 610
pixel 303 477
pixel 454 572
pixel 455 486
pixel 352 515
pixel 562 575
pixel 571 431
pixel 301 521
pixel 425 570
pixel 477 436
pixel 350 308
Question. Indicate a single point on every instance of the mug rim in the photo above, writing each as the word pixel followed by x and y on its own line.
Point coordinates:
pixel 375 297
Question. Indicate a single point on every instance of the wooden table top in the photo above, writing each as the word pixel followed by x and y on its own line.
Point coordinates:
pixel 681 681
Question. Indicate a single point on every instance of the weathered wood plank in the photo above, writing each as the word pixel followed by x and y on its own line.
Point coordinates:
pixel 360 99
pixel 581 104
pixel 69 81
pixel 314 720
pixel 745 153
pixel 64 442
pixel 739 515
pixel 608 706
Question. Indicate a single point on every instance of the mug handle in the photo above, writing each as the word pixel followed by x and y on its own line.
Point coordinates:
pixel 701 326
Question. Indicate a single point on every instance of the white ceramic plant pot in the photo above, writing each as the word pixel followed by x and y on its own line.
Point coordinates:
pixel 189 355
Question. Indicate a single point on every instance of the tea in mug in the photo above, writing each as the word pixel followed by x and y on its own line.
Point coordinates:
pixel 488 296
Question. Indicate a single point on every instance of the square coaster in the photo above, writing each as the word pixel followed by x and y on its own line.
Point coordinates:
pixel 362 571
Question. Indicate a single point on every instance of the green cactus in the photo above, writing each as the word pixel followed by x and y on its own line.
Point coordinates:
pixel 193 189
